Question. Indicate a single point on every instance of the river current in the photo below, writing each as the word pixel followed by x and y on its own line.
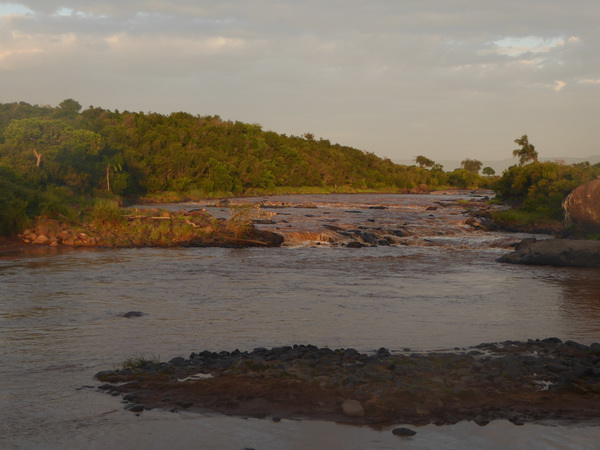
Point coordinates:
pixel 61 321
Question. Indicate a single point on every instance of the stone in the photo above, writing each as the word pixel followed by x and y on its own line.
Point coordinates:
pixel 41 239
pixel 354 244
pixel 353 408
pixel 557 252
pixel 403 432
pixel 582 207
pixel 178 361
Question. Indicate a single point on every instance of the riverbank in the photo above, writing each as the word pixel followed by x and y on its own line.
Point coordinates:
pixel 129 228
pixel 524 382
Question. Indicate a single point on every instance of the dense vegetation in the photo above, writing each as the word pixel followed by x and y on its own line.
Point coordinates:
pixel 59 161
pixel 538 189
pixel 52 158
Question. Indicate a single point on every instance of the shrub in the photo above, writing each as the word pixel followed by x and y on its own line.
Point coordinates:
pixel 107 212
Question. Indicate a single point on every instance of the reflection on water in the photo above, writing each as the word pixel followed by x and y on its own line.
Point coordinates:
pixel 61 318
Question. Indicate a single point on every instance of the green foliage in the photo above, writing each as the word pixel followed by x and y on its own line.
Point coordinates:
pixel 64 153
pixel 543 186
pixel 488 171
pixel 423 161
pixel 14 201
pixel 465 179
pixel 57 201
pixel 241 221
pixel 106 212
pixel 527 152
pixel 140 361
pixel 521 219
pixel 472 165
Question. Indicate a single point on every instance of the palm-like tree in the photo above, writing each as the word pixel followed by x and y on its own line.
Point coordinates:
pixel 527 152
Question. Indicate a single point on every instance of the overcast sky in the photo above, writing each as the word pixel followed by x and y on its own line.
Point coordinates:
pixel 449 79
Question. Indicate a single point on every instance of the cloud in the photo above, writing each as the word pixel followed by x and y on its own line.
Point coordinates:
pixel 361 72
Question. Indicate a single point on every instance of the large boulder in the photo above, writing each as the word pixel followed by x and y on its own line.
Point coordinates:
pixel 557 252
pixel 582 207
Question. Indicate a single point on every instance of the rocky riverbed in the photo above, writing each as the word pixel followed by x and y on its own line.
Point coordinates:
pixel 535 381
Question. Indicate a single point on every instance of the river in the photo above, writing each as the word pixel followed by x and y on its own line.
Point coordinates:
pixel 61 321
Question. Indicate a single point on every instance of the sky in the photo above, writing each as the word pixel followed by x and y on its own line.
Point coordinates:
pixel 447 79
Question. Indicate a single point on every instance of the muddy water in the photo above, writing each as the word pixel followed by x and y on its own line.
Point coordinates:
pixel 61 322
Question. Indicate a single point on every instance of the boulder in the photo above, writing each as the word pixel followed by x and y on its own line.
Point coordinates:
pixel 41 239
pixel 557 252
pixel 582 207
pixel 353 408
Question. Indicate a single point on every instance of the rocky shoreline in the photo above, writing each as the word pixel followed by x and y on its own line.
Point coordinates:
pixel 543 381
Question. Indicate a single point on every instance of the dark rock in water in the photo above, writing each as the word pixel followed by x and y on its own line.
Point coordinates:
pixel 557 252
pixel 582 207
pixel 178 361
pixel 354 244
pixel 135 408
pixel 104 373
pixel 131 314
pixel 268 238
pixel 403 432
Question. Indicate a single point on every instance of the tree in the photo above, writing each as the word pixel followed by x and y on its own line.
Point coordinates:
pixel 527 152
pixel 41 136
pixel 423 161
pixel 472 165
pixel 112 164
pixel 68 108
pixel 489 171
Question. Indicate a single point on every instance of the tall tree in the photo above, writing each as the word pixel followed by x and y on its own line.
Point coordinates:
pixel 527 152
pixel 423 161
pixel 489 171
pixel 472 165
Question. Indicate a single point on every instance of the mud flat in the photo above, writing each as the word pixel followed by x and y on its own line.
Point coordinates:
pixel 538 381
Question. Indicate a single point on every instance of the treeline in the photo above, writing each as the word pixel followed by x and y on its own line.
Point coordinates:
pixel 54 160
pixel 53 156
pixel 140 154
pixel 541 187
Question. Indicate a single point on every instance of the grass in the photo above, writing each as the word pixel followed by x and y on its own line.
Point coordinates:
pixel 525 218
pixel 140 360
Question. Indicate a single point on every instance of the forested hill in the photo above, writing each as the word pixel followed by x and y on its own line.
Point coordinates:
pixel 137 154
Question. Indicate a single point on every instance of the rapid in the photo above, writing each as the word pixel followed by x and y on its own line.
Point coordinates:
pixel 437 286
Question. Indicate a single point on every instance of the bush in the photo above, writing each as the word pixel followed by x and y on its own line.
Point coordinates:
pixel 107 212
pixel 542 187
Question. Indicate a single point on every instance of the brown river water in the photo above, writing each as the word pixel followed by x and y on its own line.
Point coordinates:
pixel 61 321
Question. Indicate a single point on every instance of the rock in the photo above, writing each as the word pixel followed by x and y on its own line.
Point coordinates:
pixel 65 235
pixel 354 244
pixel 131 314
pixel 582 207
pixel 353 408
pixel 557 252
pixel 270 238
pixel 104 373
pixel 178 361
pixel 41 239
pixel 403 432
pixel 135 408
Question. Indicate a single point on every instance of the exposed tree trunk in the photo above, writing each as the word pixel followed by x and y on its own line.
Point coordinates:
pixel 38 158
pixel 108 177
